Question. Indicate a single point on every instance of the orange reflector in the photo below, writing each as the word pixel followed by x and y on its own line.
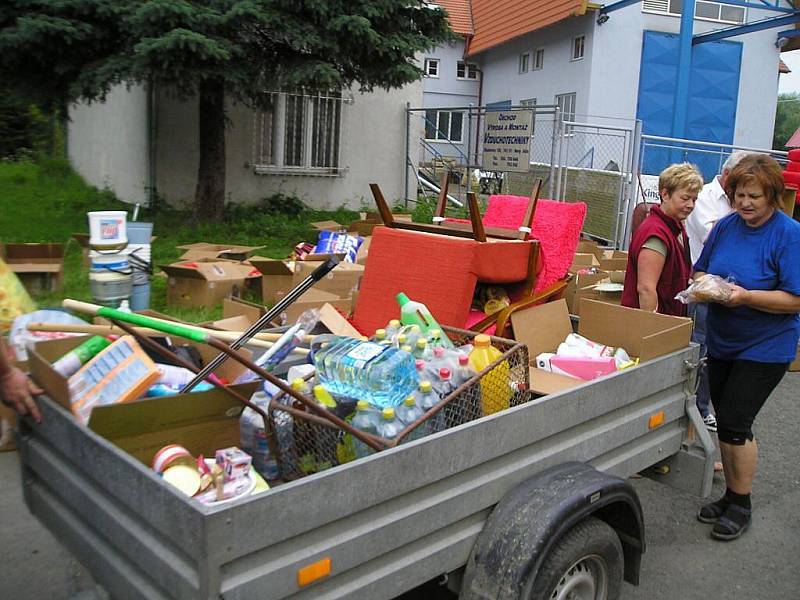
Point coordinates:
pixel 310 573
pixel 656 420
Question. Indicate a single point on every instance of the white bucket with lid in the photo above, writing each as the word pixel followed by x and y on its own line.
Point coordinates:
pixel 110 278
pixel 107 229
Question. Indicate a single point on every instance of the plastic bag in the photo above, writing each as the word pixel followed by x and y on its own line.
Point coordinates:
pixel 709 288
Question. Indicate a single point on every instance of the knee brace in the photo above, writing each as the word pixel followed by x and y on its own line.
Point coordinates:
pixel 734 438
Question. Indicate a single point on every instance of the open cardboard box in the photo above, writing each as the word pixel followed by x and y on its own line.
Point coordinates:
pixel 205 282
pixel 207 250
pixel 583 260
pixel 38 266
pixel 642 334
pixel 201 422
pixel 614 260
pixel 576 284
pixel 590 247
pixel 277 277
pixel 341 281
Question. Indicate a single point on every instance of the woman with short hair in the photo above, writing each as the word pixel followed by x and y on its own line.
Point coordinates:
pixel 752 337
pixel 658 257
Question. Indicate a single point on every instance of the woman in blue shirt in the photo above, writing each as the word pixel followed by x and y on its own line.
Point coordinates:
pixel 753 336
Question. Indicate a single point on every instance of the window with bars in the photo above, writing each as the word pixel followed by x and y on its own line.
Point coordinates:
pixel 444 125
pixel 703 9
pixel 298 133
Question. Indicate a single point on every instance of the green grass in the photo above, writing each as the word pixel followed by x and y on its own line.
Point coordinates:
pixel 46 201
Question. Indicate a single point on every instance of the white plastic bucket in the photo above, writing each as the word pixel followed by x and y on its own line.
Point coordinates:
pixel 110 278
pixel 107 229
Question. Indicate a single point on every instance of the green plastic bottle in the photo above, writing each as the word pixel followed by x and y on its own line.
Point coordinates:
pixel 72 361
pixel 416 313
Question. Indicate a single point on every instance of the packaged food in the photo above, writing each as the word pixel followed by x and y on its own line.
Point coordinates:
pixel 708 288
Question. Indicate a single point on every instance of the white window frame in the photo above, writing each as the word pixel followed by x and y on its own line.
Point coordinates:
pixel 470 71
pixel 524 62
pixel 662 7
pixel 568 99
pixel 444 136
pixel 578 43
pixel 436 64
pixel 315 146
pixel 538 64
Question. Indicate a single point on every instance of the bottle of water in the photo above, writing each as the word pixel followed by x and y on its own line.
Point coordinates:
pixel 413 334
pixel 380 336
pixel 253 437
pixel 366 420
pixel 464 372
pixel 408 412
pixel 426 399
pixel 392 328
pixel 444 384
pixel 421 349
pixel 366 371
pixel 389 426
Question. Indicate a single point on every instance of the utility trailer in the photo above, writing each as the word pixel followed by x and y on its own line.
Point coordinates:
pixel 519 504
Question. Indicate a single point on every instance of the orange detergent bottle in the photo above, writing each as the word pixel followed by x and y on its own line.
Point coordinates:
pixel 496 384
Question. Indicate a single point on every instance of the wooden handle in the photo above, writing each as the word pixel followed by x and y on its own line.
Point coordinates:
pixel 82 307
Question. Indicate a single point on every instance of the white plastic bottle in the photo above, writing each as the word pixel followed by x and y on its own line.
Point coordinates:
pixel 389 426
pixel 409 412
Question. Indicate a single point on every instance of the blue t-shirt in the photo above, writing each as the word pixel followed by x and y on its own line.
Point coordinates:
pixel 766 257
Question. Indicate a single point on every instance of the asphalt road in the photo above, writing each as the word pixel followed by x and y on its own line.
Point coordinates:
pixel 681 562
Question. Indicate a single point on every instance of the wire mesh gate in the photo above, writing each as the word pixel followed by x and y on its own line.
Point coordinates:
pixel 591 162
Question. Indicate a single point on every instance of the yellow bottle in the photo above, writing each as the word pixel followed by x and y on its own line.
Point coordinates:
pixel 495 385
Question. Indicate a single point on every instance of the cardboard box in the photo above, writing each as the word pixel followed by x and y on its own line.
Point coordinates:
pixel 577 283
pixel 206 250
pixel 277 278
pixel 341 282
pixel 363 251
pixel 327 226
pixel 38 266
pixel 363 228
pixel 236 307
pixel 614 260
pixel 204 282
pixel 642 334
pixel 583 261
pixel 201 422
pixel 314 298
pixel 592 293
pixel 590 247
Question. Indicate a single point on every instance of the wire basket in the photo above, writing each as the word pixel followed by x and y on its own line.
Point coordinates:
pixel 310 444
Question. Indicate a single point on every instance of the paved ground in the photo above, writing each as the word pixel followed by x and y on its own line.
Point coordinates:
pixel 682 561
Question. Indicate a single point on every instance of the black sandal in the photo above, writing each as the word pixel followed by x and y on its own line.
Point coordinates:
pixel 710 513
pixel 732 524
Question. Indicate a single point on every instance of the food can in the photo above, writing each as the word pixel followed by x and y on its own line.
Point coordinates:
pixel 170 456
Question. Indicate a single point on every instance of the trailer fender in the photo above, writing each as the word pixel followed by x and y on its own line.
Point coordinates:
pixel 531 519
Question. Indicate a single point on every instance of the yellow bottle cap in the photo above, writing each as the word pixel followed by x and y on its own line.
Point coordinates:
pixel 482 340
pixel 415 329
pixel 388 413
pixel 298 384
pixel 362 405
pixel 380 334
pixel 405 348
pixel 425 387
pixel 323 396
pixel 401 338
pixel 422 343
pixel 394 323
pixel 435 333
pixel 409 401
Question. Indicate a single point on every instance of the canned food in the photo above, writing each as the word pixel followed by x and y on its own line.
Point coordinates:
pixel 172 455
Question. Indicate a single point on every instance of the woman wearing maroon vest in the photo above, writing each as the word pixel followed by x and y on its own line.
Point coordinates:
pixel 658 258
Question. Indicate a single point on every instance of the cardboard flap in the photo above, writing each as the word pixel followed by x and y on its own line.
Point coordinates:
pixel 613 264
pixel 36 267
pixel 167 412
pixel 220 249
pixel 31 252
pixel 327 226
pixel 236 307
pixel 543 382
pixel 336 323
pixel 628 327
pixel 542 327
pixel 223 270
pixel 181 271
pixel 234 323
pixel 272 266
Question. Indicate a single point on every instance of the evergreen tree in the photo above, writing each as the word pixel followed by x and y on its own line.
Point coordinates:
pixel 60 51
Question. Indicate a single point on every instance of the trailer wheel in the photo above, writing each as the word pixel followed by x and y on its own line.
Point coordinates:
pixel 586 564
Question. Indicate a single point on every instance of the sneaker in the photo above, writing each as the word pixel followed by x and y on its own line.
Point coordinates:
pixel 711 423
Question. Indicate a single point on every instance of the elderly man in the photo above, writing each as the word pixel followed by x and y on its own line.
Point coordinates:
pixel 712 204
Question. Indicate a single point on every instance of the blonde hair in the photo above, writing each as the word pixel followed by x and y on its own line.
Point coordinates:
pixel 681 175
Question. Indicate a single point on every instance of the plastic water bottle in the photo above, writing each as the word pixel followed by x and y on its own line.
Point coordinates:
pixel 409 412
pixel 426 399
pixel 380 337
pixel 366 371
pixel 421 349
pixel 253 437
pixel 389 426
pixel 392 328
pixel 464 372
pixel 413 334
pixel 366 420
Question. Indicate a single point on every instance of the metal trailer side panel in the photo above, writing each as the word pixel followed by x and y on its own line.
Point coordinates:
pixel 103 503
pixel 373 515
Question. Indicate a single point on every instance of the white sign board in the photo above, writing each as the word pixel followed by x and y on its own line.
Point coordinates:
pixel 648 188
pixel 507 140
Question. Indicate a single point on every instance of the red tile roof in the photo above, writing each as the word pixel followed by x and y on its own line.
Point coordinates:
pixel 498 21
pixel 460 15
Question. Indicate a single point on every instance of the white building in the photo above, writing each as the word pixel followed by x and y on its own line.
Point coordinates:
pixel 325 149
pixel 622 66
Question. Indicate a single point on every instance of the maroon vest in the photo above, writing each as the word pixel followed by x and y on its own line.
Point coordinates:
pixel 677 267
